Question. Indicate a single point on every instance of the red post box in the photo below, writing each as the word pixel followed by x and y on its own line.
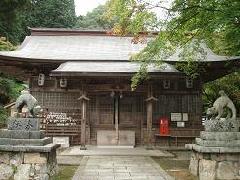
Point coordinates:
pixel 164 126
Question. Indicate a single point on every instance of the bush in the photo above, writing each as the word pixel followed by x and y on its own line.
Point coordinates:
pixel 3 116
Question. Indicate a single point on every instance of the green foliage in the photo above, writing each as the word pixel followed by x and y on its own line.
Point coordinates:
pixel 10 20
pixel 217 22
pixel 6 45
pixel 189 59
pixel 95 19
pixel 51 14
pixel 230 84
pixel 9 90
pixel 3 116
pixel 65 173
pixel 131 16
pixel 9 87
pixel 17 15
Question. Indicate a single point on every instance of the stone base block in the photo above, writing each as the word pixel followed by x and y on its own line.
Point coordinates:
pixel 24 124
pixel 212 166
pixel 28 165
pixel 221 125
pixel 26 142
pixel 19 134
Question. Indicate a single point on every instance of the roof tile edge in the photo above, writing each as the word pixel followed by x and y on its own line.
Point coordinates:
pixel 77 32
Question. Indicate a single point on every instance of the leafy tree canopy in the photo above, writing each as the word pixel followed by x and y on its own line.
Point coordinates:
pixel 230 84
pixel 217 22
pixel 95 20
pixel 51 14
pixel 17 15
pixel 9 87
pixel 10 20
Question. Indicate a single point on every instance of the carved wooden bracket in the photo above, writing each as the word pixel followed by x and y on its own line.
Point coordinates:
pixel 83 97
pixel 151 98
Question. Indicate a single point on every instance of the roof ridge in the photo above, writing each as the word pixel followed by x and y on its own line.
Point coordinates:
pixel 77 31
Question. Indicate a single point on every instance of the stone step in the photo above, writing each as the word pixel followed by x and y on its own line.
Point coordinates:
pixel 31 142
pixel 216 143
pixel 21 148
pixel 20 134
pixel 220 136
pixel 204 149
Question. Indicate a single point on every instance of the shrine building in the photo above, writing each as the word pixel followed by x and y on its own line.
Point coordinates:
pixel 82 80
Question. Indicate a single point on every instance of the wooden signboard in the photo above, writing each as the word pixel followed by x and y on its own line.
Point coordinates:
pixel 60 119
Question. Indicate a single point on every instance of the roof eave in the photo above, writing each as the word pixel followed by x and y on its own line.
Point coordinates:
pixel 103 74
pixel 71 32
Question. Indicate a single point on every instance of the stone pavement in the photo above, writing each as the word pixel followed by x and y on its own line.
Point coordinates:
pixel 120 168
pixel 96 151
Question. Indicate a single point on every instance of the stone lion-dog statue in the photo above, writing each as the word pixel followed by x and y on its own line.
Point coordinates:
pixel 26 99
pixel 218 107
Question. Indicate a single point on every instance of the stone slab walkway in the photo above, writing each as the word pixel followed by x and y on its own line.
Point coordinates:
pixel 119 168
pixel 96 151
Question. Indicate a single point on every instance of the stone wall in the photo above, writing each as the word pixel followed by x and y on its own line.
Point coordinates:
pixel 211 166
pixel 25 165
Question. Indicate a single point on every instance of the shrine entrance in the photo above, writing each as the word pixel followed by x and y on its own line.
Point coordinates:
pixel 118 116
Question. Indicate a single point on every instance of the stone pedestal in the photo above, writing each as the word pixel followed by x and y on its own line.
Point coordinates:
pixel 24 151
pixel 216 155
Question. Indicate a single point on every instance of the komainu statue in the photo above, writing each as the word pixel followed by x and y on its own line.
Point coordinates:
pixel 218 106
pixel 218 123
pixel 26 99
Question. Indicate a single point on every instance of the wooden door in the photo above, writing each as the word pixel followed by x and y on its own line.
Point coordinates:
pixel 101 114
pixel 131 113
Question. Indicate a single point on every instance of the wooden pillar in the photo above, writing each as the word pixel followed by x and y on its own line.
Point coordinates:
pixel 83 100
pixel 150 100
pixel 149 122
pixel 117 117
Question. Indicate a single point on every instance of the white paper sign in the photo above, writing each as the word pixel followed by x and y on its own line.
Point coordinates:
pixel 185 116
pixel 176 116
pixel 180 124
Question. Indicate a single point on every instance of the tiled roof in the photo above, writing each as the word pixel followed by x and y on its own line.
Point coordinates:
pixel 72 48
pixel 209 55
pixel 63 45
